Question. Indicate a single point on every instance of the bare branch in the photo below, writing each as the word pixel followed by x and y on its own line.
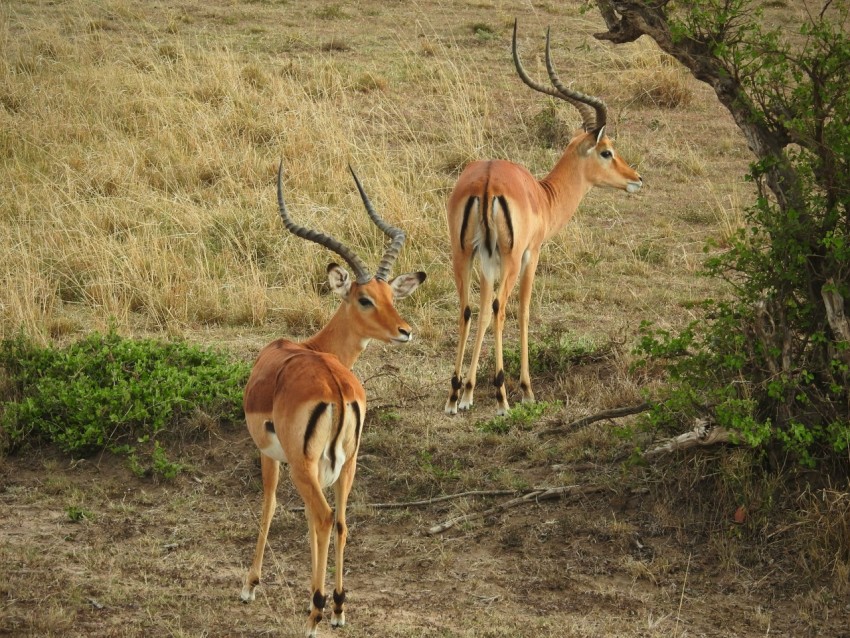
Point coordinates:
pixel 428 501
pixel 543 494
pixel 599 416
pixel 703 434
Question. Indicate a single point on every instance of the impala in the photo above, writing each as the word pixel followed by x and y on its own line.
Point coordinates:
pixel 304 406
pixel 499 211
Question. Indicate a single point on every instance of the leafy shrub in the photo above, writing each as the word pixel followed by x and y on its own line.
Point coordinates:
pixel 108 392
pixel 772 362
pixel 555 352
pixel 520 417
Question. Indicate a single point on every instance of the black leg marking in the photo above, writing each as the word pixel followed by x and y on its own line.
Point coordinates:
pixel 499 379
pixel 339 598
pixel 496 307
pixel 469 385
pixel 523 386
pixel 269 426
pixel 319 601
pixel 318 411
pixel 456 386
pixel 467 314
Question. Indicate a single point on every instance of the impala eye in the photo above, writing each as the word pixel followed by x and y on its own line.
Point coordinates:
pixel 365 302
pixel 607 154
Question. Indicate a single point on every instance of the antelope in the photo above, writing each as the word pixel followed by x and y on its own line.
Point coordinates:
pixel 305 407
pixel 499 211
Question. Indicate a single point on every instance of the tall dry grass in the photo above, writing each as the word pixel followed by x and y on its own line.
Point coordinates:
pixel 139 155
pixel 139 178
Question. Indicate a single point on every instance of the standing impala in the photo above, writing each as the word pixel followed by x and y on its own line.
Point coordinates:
pixel 500 212
pixel 305 407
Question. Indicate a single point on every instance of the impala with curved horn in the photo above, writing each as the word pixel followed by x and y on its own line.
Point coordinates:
pixel 305 407
pixel 499 211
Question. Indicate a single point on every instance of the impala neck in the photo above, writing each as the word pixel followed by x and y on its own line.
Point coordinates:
pixel 564 188
pixel 337 338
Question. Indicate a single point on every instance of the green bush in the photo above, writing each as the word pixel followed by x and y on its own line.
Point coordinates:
pixel 106 392
pixel 520 417
pixel 771 361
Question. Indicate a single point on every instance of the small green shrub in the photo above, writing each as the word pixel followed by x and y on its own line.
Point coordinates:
pixel 555 352
pixel 435 468
pixel 549 127
pixel 78 514
pixel 108 392
pixel 483 32
pixel 520 417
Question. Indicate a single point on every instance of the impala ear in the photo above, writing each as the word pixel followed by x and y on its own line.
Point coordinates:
pixel 592 140
pixel 403 285
pixel 338 279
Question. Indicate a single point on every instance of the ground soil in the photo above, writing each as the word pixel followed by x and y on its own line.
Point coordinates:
pixel 168 558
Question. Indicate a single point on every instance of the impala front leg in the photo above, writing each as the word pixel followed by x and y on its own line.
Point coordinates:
pixel 271 475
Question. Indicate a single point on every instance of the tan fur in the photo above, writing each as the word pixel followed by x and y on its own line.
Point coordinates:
pixel 287 383
pixel 537 210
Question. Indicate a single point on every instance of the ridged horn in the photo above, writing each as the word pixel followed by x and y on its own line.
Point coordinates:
pixel 575 98
pixel 593 110
pixel 361 273
pixel 396 235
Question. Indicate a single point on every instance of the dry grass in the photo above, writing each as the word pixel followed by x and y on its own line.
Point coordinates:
pixel 139 148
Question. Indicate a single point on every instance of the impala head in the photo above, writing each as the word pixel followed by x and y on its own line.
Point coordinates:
pixel 368 301
pixel 371 305
pixel 606 167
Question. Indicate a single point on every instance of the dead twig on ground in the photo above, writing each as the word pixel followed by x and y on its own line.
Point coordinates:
pixel 541 494
pixel 427 501
pixel 599 416
pixel 703 434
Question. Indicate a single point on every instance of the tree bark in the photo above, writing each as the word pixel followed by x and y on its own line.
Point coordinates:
pixel 627 20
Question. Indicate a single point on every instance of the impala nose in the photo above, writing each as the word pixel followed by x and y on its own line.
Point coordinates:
pixel 403 335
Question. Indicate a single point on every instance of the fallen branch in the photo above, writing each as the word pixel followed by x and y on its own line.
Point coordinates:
pixel 427 501
pixel 703 434
pixel 599 416
pixel 542 494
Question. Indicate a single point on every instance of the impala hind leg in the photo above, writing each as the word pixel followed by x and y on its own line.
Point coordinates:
pixel 342 489
pixel 485 315
pixel 462 266
pixel 271 475
pixel 509 277
pixel 525 284
pixel 320 519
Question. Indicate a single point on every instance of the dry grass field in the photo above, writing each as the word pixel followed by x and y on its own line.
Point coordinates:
pixel 139 147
